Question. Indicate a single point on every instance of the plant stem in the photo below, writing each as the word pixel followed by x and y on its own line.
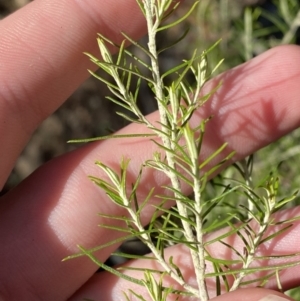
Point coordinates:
pixel 153 22
pixel 200 260
pixel 270 204
pixel 290 34
pixel 147 240
pixel 248 180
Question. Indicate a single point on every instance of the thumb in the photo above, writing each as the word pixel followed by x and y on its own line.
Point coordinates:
pixel 253 294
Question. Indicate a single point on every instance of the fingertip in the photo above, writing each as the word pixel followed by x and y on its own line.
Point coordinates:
pixel 252 294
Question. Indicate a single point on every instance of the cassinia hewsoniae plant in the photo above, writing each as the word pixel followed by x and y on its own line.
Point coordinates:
pixel 250 221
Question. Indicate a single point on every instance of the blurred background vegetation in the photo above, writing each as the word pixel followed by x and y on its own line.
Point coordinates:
pixel 246 27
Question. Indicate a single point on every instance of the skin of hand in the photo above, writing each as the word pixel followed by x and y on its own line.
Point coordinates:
pixel 53 210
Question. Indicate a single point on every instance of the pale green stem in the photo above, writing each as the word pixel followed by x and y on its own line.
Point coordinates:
pixel 249 183
pixel 248 40
pixel 200 260
pixel 153 25
pixel 251 253
pixel 147 240
pixel 126 95
pixel 292 30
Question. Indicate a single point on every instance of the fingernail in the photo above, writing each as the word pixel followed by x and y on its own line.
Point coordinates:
pixel 273 298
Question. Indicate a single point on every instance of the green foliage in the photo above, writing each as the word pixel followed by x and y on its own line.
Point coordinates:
pixel 232 204
pixel 244 31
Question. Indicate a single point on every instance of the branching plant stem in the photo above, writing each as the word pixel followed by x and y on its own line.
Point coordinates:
pixel 179 149
pixel 153 21
pixel 270 204
pixel 147 240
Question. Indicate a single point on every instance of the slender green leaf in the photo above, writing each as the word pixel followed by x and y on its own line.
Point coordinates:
pixel 108 268
pixel 114 136
pixel 180 19
pixel 277 233
pixel 175 42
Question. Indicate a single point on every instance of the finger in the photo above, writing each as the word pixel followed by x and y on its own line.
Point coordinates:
pixel 41 49
pixel 91 291
pixel 111 288
pixel 253 294
pixel 56 208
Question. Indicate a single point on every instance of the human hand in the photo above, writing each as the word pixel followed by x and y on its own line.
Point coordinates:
pixel 46 216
